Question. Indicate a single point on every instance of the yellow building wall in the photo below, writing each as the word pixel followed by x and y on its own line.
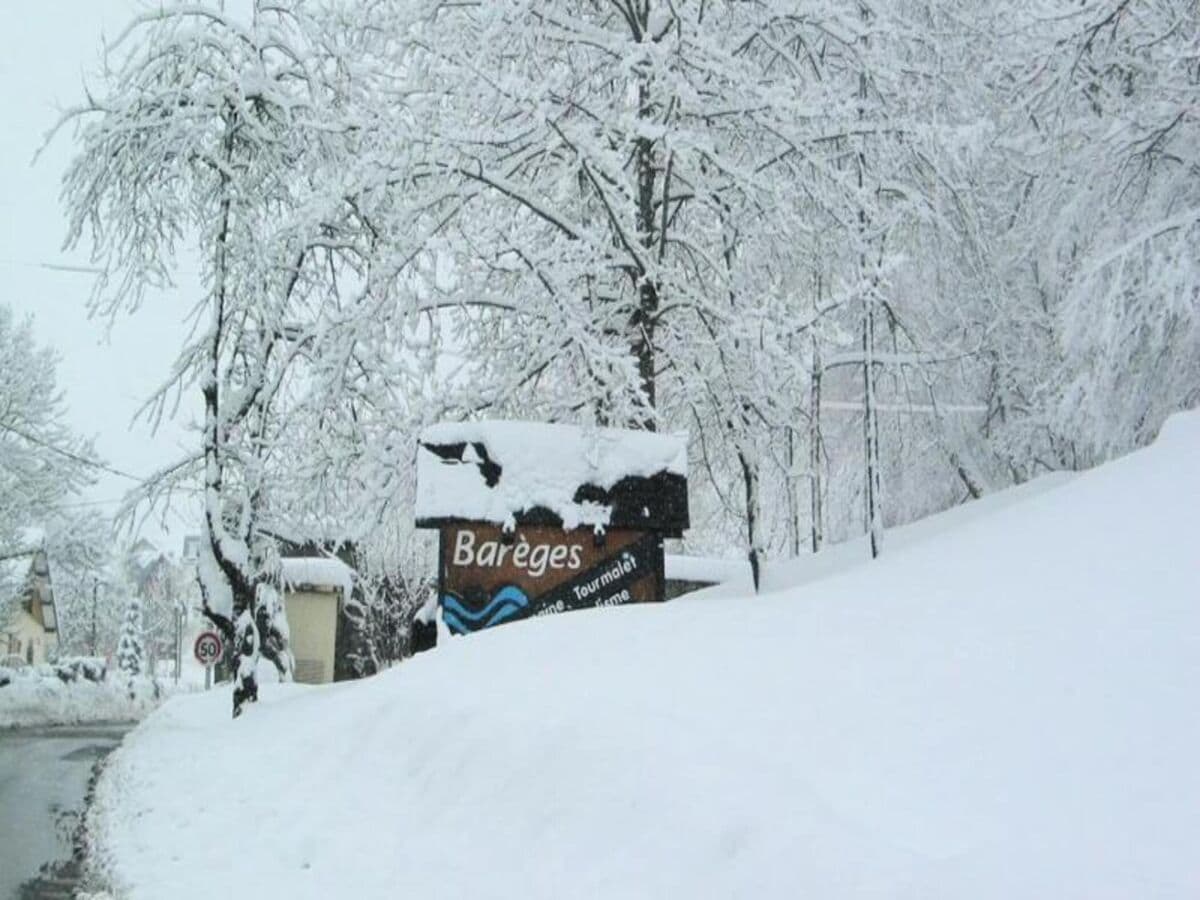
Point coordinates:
pixel 312 623
pixel 24 631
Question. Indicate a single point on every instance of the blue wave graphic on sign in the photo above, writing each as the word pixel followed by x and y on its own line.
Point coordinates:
pixel 505 603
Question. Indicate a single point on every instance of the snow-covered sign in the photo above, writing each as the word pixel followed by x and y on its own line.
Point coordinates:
pixel 538 519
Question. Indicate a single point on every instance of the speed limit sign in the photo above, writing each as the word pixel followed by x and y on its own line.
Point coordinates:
pixel 208 648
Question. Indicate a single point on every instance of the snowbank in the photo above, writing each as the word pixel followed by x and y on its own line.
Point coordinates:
pixel 33 699
pixel 1003 710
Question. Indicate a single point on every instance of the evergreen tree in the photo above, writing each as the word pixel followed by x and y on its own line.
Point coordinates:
pixel 131 648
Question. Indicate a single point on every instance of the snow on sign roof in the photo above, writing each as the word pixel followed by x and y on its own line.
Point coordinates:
pixel 530 473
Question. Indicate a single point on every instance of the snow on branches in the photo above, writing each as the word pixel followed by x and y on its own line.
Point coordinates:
pixel 873 259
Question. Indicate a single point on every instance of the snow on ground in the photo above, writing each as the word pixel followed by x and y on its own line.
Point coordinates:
pixel 735 573
pixel 33 699
pixel 1004 709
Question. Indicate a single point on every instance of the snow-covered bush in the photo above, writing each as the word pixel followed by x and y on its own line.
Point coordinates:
pixel 80 668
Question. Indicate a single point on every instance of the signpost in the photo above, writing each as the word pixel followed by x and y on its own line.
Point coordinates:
pixel 539 518
pixel 488 577
pixel 208 650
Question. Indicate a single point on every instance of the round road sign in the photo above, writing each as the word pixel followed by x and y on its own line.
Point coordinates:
pixel 208 648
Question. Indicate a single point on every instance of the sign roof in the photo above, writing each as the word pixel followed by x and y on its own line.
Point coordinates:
pixel 509 473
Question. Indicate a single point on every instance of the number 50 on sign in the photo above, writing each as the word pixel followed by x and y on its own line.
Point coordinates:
pixel 208 648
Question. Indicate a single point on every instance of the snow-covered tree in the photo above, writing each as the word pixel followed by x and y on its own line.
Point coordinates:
pixel 876 259
pixel 1096 339
pixel 42 462
pixel 131 646
pixel 80 549
pixel 638 200
pixel 208 136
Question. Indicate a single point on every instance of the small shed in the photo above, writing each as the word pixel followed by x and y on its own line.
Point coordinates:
pixel 538 518
pixel 315 590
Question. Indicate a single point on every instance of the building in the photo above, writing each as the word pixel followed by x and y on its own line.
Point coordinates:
pixel 30 634
pixel 191 550
pixel 316 590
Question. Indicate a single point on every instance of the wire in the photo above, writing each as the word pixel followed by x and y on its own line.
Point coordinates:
pixel 80 504
pixel 83 460
pixel 55 267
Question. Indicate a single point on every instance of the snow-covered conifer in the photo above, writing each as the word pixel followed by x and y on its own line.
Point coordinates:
pixel 131 646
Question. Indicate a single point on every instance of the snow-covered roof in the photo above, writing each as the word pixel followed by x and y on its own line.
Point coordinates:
pixel 316 571
pixel 27 576
pixel 510 473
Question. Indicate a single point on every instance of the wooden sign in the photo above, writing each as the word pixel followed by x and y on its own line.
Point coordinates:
pixel 488 578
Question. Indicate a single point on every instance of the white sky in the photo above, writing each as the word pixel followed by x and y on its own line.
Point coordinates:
pixel 47 49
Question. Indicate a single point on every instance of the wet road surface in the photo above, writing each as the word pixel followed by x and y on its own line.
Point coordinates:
pixel 44 774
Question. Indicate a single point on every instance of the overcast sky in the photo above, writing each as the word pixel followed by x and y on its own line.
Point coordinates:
pixel 47 50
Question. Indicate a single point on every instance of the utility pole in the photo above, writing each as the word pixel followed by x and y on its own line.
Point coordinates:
pixel 178 638
pixel 95 591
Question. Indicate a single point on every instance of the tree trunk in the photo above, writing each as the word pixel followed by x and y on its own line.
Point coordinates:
pixel 750 480
pixel 874 514
pixel 793 500
pixel 245 678
pixel 871 433
pixel 646 312
pixel 245 635
pixel 816 482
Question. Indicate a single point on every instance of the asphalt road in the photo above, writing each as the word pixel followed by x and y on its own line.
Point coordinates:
pixel 43 777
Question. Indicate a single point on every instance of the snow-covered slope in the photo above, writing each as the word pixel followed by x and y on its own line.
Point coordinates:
pixel 1006 709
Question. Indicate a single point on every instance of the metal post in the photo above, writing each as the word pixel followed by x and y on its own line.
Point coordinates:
pixel 95 590
pixel 178 642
